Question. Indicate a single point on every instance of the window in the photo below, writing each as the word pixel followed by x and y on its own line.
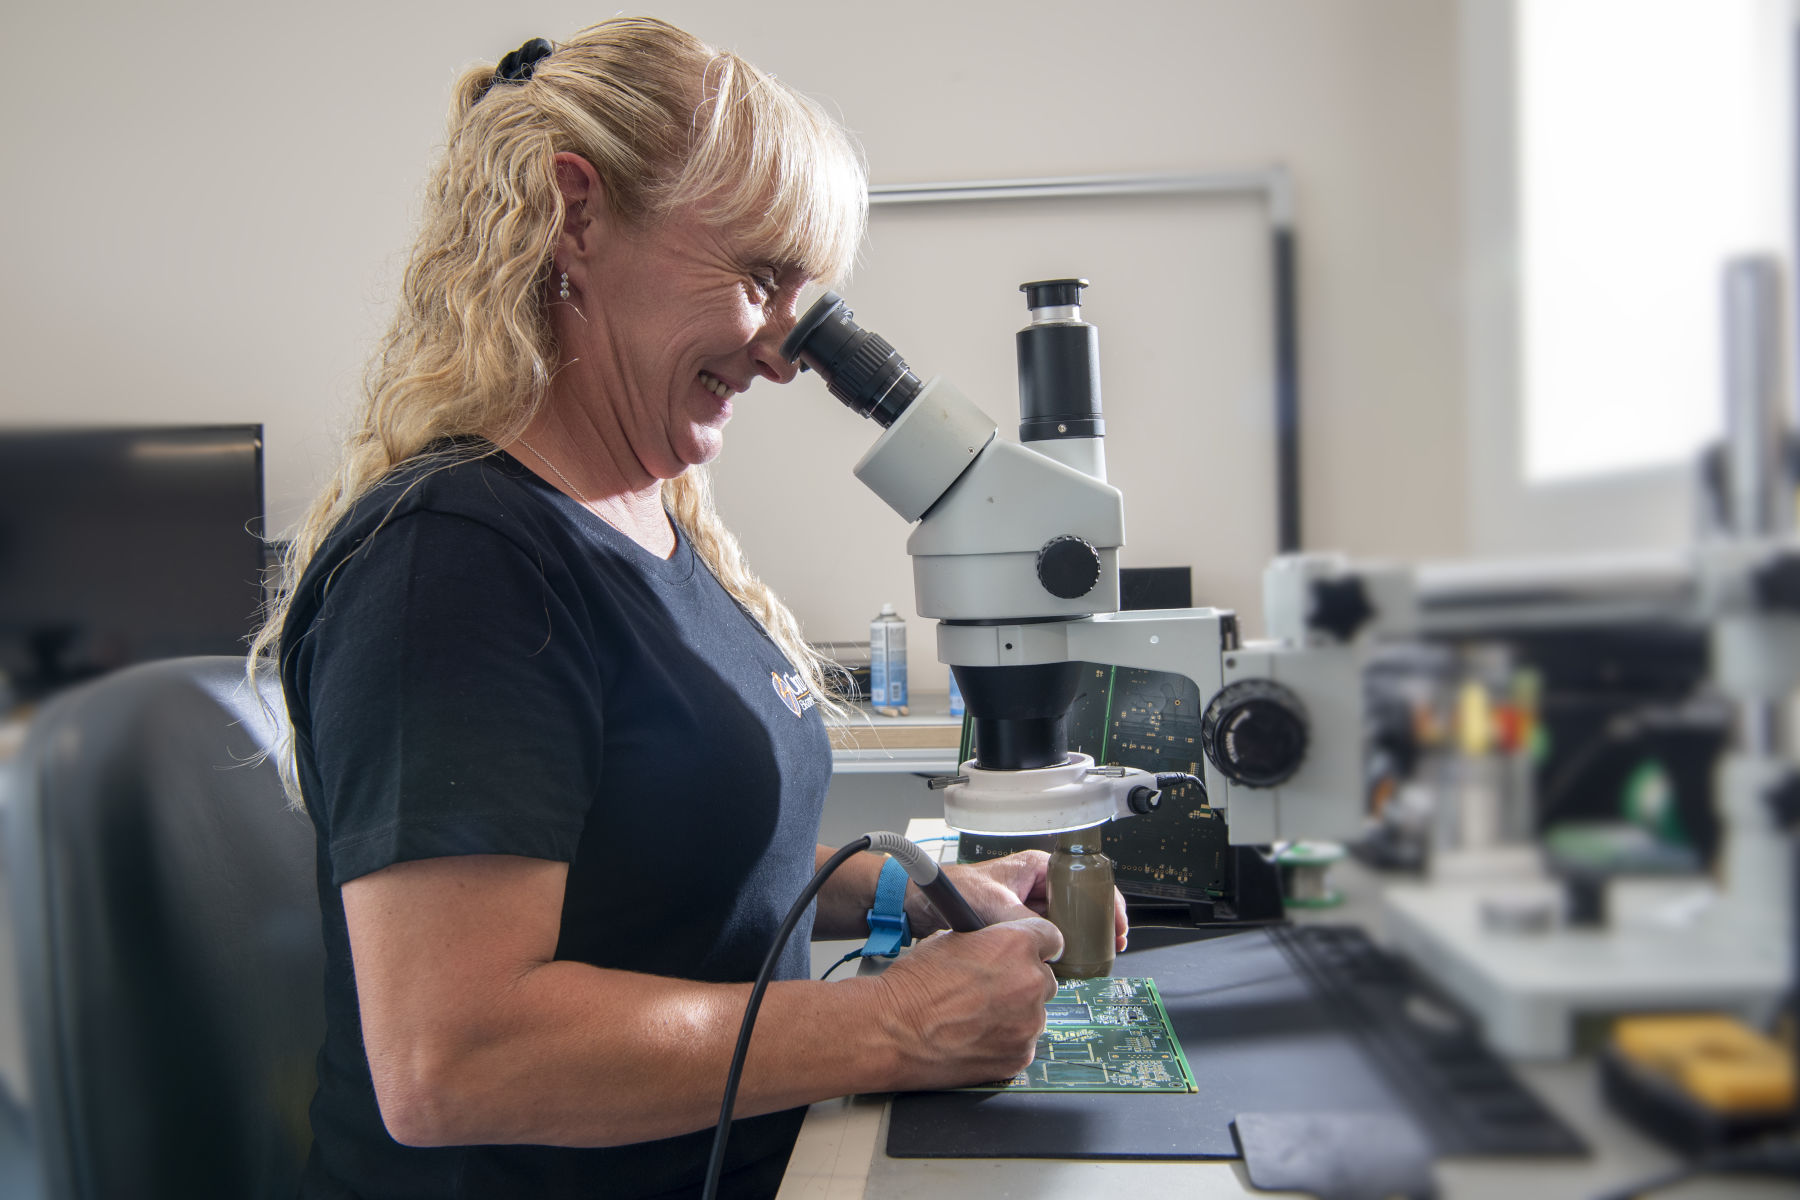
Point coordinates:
pixel 1645 161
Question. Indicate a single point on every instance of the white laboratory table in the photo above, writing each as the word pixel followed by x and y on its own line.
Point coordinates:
pixel 924 742
pixel 840 1154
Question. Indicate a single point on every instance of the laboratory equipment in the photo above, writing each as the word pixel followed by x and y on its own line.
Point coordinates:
pixel 1698 1083
pixel 1015 551
pixel 1016 554
pixel 1726 945
pixel 1627 943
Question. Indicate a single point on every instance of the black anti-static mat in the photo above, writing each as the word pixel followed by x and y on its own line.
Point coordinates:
pixel 1257 1036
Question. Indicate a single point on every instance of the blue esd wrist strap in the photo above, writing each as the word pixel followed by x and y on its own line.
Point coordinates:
pixel 888 927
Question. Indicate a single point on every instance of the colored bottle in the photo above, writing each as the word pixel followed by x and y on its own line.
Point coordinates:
pixel 1081 905
pixel 887 663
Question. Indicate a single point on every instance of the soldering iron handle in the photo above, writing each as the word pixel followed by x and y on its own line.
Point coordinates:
pixel 923 870
pixel 950 904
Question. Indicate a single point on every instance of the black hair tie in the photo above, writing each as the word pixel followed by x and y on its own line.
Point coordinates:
pixel 517 66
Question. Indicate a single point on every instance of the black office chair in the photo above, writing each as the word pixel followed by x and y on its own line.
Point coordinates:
pixel 167 929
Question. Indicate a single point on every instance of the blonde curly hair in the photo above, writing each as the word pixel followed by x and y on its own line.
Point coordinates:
pixel 669 123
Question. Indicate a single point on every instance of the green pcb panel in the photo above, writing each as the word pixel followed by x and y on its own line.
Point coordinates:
pixel 1104 1035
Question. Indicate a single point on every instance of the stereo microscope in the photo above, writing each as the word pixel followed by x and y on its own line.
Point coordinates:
pixel 1015 551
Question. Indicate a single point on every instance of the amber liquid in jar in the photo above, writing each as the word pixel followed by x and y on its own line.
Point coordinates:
pixel 1081 905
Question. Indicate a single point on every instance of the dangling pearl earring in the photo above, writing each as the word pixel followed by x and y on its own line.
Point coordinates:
pixel 562 291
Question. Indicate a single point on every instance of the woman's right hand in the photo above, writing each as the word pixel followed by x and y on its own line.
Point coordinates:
pixel 967 1008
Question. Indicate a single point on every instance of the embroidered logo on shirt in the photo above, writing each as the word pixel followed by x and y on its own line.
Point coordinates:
pixel 793 692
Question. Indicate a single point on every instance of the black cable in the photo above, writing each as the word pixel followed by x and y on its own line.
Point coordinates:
pixel 854 954
pixel 716 1163
pixel 1169 779
pixel 1623 729
pixel 921 869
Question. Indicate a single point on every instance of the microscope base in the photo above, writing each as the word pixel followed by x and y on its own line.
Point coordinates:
pixel 1530 989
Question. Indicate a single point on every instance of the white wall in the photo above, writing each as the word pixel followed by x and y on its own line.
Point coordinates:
pixel 1647 508
pixel 207 206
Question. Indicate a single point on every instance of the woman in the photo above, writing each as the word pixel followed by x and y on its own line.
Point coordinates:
pixel 561 747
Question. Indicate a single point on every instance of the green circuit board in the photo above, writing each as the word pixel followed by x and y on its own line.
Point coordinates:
pixel 1104 1035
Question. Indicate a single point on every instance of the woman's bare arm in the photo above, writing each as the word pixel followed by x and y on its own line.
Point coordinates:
pixel 475 1035
pixel 1000 889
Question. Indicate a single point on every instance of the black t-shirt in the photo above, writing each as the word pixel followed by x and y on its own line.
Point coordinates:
pixel 474 664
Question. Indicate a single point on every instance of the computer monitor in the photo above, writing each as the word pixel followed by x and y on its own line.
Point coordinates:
pixel 122 545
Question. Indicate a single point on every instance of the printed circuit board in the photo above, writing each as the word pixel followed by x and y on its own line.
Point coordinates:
pixel 1104 1035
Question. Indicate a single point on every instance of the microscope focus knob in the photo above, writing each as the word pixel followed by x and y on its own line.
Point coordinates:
pixel 1068 566
pixel 1254 731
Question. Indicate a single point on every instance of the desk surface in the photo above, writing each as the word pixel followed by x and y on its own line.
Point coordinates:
pixel 924 742
pixel 841 1156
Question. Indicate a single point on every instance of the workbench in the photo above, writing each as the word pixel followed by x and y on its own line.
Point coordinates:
pixel 841 1153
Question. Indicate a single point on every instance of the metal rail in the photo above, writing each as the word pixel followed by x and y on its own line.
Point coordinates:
pixel 1567 593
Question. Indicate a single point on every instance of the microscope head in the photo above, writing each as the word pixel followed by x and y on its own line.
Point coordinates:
pixel 1020 712
pixel 1015 553
pixel 1009 535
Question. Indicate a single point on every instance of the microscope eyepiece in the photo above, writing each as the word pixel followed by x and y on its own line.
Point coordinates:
pixel 1059 365
pixel 859 367
pixel 1053 293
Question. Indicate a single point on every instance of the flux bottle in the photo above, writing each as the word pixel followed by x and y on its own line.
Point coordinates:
pixel 1081 905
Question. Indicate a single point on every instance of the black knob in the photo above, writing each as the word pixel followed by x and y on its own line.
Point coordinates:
pixel 1068 566
pixel 1340 607
pixel 1143 800
pixel 1254 731
pixel 1783 800
pixel 1777 584
pixel 1584 899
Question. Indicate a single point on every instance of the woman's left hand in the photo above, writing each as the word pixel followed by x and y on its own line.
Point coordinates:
pixel 1002 889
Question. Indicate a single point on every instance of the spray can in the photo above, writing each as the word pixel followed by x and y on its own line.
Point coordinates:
pixel 887 663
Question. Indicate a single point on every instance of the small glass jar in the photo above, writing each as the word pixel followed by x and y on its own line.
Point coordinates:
pixel 1082 906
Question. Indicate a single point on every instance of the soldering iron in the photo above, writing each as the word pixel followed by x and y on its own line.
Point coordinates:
pixel 920 867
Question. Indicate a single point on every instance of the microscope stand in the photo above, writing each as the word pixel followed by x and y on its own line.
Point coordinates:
pixel 1531 989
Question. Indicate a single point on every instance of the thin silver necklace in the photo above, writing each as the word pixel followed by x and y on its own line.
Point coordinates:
pixel 586 503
